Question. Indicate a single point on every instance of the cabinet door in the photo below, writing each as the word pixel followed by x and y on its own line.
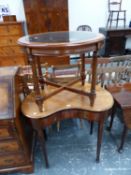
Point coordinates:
pixel 46 15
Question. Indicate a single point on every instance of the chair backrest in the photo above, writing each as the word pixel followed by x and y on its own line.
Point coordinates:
pixel 114 5
pixel 112 70
pixel 25 78
pixel 84 28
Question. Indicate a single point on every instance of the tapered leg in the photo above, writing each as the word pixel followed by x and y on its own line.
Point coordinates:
pixel 99 138
pixel 112 116
pixel 123 138
pixel 38 128
pixel 42 145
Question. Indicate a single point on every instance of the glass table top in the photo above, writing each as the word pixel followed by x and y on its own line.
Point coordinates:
pixel 61 37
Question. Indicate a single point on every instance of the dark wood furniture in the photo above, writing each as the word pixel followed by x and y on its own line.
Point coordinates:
pixel 15 143
pixel 50 102
pixel 10 53
pixel 50 15
pixel 115 40
pixel 122 96
pixel 67 104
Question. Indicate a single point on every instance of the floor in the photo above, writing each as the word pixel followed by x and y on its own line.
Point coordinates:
pixel 72 150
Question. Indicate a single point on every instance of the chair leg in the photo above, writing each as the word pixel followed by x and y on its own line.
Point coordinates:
pixel 112 117
pixel 123 138
pixel 111 18
pixel 124 19
pixel 99 138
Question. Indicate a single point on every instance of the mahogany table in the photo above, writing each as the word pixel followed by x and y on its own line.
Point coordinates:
pixel 65 105
pixel 50 102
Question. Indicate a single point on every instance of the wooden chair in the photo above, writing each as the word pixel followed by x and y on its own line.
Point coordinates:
pixel 115 13
pixel 85 28
pixel 111 71
pixel 116 78
pixel 25 78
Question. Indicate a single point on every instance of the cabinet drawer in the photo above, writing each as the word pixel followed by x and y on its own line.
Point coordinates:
pixel 13 60
pixel 116 34
pixel 11 30
pixel 55 60
pixel 6 133
pixel 11 50
pixel 11 160
pixel 8 41
pixel 9 147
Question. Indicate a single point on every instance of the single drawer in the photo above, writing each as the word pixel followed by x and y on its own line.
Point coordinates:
pixel 15 29
pixel 13 60
pixel 11 30
pixel 12 160
pixel 7 132
pixel 55 60
pixel 116 34
pixel 9 146
pixel 8 41
pixel 11 50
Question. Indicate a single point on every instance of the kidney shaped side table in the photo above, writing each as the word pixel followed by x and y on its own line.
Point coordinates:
pixel 72 99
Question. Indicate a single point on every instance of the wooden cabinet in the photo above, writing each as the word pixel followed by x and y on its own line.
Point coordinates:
pixel 44 16
pixel 16 135
pixel 115 40
pixel 10 52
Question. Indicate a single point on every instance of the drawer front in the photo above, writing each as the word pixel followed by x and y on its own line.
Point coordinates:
pixel 11 30
pixel 6 133
pixel 13 60
pixel 55 60
pixel 8 41
pixel 116 33
pixel 11 51
pixel 11 160
pixel 9 146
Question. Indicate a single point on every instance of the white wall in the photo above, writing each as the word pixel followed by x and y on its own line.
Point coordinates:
pixel 91 12
pixel 15 7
